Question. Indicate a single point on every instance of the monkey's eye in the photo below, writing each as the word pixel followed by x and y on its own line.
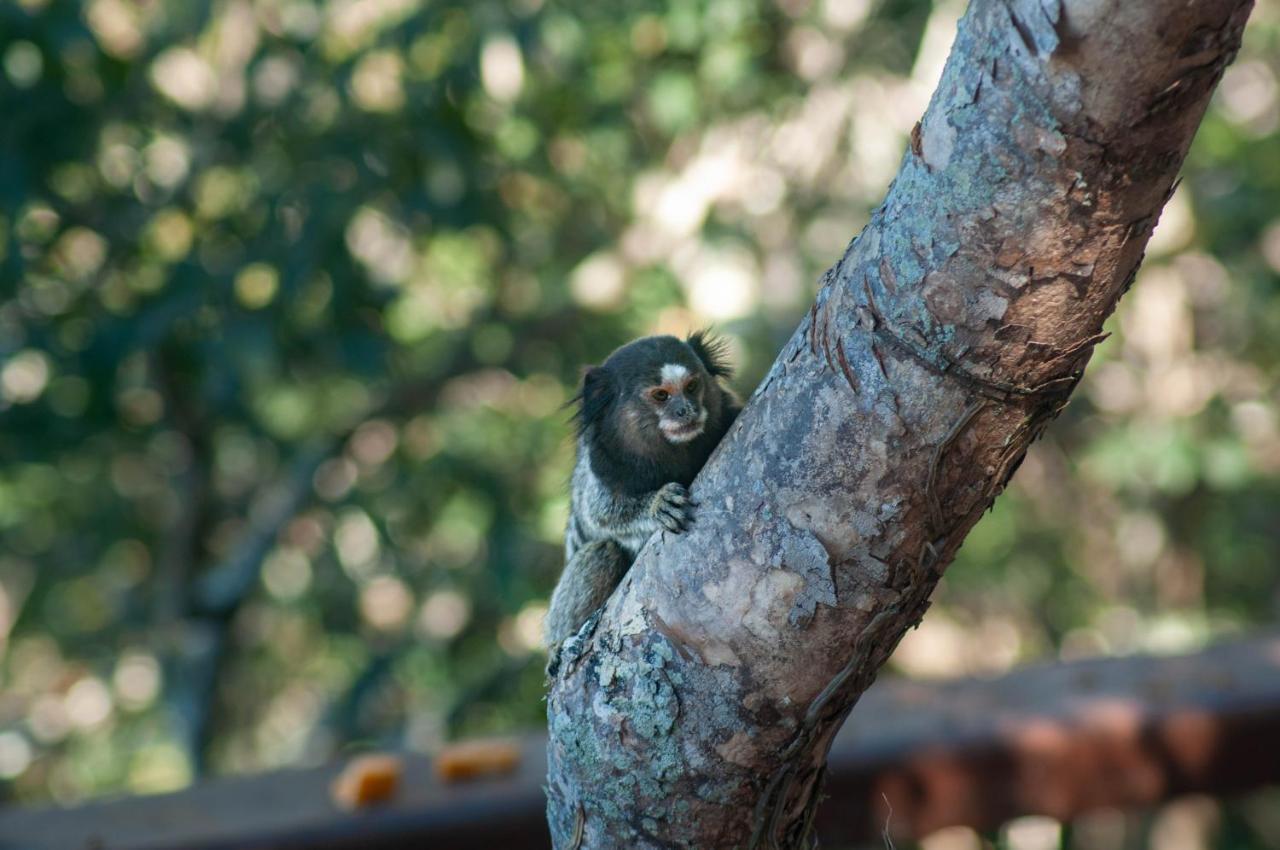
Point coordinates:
pixel 660 396
pixel 692 386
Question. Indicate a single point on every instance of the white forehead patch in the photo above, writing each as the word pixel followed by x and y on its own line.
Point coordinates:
pixel 674 373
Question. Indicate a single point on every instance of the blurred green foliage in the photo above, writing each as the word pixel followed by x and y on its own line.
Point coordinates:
pixel 292 294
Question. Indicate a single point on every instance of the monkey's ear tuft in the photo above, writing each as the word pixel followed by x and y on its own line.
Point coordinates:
pixel 595 397
pixel 713 351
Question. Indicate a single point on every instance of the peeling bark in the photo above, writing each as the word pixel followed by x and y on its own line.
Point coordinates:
pixel 698 709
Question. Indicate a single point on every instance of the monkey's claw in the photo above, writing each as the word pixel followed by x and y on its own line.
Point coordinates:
pixel 673 508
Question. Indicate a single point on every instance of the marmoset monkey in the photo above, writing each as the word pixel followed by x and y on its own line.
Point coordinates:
pixel 647 419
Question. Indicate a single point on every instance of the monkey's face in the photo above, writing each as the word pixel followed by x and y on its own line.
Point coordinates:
pixel 676 402
pixel 654 393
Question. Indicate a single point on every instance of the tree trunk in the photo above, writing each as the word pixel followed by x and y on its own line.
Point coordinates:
pixel 697 712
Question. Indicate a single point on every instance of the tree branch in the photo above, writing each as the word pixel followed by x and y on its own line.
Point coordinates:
pixel 700 706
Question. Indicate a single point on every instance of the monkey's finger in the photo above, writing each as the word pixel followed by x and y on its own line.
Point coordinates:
pixel 670 511
pixel 674 522
pixel 679 522
pixel 673 508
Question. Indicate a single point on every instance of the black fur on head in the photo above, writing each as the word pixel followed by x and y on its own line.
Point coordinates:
pixel 594 398
pixel 622 421
pixel 713 351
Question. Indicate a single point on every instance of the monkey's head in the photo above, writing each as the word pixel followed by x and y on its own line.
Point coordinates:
pixel 655 392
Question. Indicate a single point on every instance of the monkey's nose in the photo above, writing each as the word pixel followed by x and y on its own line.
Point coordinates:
pixel 683 410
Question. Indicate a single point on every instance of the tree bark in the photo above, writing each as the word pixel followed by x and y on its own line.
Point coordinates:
pixel 698 710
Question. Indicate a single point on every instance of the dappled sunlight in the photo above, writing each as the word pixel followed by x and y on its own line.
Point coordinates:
pixel 1034 832
pixel 952 838
pixel 1191 823
pixel 443 614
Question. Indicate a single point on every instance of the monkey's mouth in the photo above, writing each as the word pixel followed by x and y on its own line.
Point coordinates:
pixel 683 432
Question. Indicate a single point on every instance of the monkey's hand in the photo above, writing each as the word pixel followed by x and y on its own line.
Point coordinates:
pixel 672 507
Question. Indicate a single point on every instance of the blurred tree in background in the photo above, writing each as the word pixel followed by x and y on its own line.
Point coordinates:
pixel 292 295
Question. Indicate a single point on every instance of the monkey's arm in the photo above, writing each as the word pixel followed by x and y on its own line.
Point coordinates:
pixel 618 525
pixel 623 516
pixel 588 579
pixel 602 512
